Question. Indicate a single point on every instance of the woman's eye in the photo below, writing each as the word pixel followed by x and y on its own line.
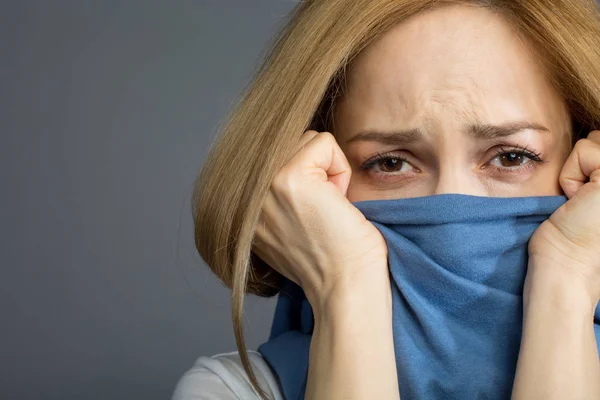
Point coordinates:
pixel 388 164
pixel 510 160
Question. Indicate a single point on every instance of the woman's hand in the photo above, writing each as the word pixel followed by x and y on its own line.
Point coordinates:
pixel 569 241
pixel 309 231
pixel 558 356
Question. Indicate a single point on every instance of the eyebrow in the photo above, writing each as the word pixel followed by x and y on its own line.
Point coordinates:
pixel 476 131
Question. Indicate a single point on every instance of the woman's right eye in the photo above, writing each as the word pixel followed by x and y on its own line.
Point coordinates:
pixel 385 166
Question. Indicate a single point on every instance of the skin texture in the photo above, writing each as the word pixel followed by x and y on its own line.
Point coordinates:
pixel 440 72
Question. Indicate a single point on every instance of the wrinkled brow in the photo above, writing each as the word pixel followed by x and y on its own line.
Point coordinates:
pixel 476 131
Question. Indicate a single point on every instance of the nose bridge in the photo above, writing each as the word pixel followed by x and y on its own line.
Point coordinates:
pixel 456 177
pixel 451 179
pixel 454 163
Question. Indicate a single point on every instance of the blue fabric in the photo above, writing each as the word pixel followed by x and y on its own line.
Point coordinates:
pixel 457 268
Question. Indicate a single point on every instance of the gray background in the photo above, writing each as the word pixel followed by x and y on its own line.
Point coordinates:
pixel 106 112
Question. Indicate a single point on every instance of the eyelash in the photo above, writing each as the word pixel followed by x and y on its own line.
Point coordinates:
pixel 518 150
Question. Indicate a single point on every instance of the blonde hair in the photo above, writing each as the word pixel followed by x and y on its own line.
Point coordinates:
pixel 295 89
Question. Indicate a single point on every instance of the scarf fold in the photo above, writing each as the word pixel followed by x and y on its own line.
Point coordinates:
pixel 457 268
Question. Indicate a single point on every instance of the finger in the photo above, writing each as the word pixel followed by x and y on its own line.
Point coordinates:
pixel 302 140
pixel 581 165
pixel 594 136
pixel 305 138
pixel 322 153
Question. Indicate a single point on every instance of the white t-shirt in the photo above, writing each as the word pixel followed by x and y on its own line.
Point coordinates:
pixel 222 377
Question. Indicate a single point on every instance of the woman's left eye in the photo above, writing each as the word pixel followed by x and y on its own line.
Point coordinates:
pixel 510 160
pixel 514 160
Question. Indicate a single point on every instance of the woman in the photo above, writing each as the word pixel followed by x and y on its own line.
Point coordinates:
pixel 487 98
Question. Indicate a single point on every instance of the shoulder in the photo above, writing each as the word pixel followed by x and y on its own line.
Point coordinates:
pixel 222 376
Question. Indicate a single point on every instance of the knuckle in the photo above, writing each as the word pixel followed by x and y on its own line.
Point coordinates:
pixel 327 136
pixel 305 138
pixel 563 180
pixel 582 144
pixel 594 136
pixel 309 135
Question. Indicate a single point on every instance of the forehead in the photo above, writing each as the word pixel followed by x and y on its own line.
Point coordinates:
pixel 462 55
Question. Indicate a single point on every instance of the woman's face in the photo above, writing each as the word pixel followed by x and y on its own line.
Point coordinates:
pixel 456 103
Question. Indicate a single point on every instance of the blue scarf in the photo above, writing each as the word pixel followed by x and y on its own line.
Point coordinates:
pixel 457 268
